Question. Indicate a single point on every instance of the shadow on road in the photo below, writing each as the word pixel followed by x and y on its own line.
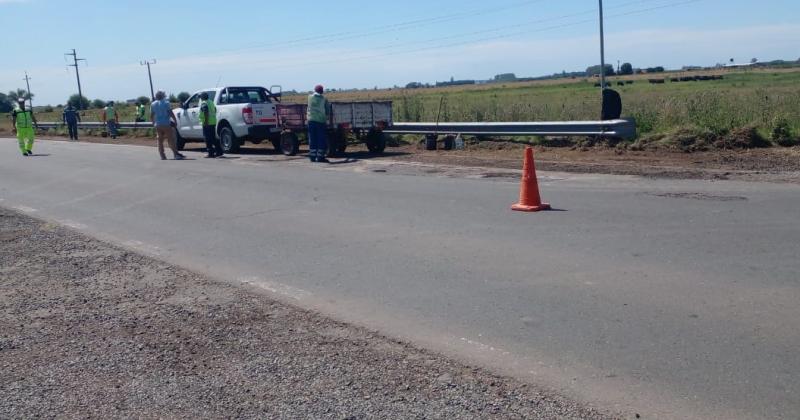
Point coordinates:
pixel 269 151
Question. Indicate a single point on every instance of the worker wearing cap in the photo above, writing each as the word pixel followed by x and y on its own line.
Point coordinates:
pixel 71 118
pixel 111 118
pixel 23 122
pixel 208 119
pixel 164 122
pixel 318 112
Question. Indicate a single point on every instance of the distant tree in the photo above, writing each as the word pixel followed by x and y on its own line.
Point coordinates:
pixel 79 102
pixel 14 95
pixel 658 69
pixel 626 69
pixel 144 100
pixel 753 60
pixel 5 103
pixel 505 77
pixel 173 98
pixel 595 70
pixel 48 108
pixel 183 96
pixel 98 103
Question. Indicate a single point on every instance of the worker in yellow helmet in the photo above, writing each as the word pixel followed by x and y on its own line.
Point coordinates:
pixel 23 122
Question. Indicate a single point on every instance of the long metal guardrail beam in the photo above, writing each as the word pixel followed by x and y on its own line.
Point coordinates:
pixel 625 129
pixel 96 125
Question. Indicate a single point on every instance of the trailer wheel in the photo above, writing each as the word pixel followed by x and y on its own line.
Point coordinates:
pixel 376 141
pixel 276 142
pixel 230 144
pixel 338 143
pixel 180 142
pixel 290 145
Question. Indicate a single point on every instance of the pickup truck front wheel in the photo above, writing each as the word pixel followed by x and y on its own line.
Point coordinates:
pixel 230 144
pixel 180 142
pixel 290 144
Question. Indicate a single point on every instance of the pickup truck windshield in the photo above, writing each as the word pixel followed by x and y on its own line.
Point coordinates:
pixel 245 96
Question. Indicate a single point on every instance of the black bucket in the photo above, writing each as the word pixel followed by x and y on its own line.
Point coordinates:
pixel 430 141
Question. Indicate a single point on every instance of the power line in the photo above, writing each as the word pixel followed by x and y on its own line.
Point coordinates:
pixel 497 37
pixel 396 27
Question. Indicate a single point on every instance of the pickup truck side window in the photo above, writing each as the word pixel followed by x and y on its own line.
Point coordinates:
pixel 212 94
pixel 194 101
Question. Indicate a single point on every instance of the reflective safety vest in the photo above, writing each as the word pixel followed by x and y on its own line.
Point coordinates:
pixel 24 118
pixel 317 109
pixel 208 104
pixel 140 111
pixel 109 113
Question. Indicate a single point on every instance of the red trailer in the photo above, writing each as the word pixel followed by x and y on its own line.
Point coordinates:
pixel 366 120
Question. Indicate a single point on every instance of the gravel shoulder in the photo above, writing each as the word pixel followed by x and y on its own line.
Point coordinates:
pixel 88 329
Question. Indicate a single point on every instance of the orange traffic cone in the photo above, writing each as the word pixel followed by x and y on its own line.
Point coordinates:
pixel 529 199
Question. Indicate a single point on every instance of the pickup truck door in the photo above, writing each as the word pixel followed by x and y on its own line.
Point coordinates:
pixel 189 121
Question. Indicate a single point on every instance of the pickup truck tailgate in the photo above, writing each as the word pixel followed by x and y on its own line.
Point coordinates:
pixel 264 114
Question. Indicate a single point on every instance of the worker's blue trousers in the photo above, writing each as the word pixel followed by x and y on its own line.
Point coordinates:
pixel 317 141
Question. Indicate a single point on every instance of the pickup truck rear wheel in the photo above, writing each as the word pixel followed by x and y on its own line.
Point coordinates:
pixel 376 141
pixel 290 144
pixel 230 144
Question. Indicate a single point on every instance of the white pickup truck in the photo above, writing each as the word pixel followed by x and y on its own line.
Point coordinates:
pixel 244 113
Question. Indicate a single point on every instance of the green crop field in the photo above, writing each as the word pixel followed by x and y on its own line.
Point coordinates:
pixel 764 100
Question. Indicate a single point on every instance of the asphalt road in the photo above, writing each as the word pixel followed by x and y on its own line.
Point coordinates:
pixel 671 299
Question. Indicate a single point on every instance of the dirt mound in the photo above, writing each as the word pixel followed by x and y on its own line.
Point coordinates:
pixel 693 139
pixel 742 138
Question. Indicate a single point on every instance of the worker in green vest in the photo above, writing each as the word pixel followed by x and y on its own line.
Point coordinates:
pixel 23 122
pixel 110 117
pixel 318 113
pixel 140 112
pixel 208 119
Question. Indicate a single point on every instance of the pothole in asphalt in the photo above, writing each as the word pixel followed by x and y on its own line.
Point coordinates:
pixel 697 196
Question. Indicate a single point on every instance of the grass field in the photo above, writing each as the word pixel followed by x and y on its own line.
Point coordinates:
pixel 766 102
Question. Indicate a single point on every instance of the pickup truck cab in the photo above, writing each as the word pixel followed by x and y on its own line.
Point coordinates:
pixel 244 113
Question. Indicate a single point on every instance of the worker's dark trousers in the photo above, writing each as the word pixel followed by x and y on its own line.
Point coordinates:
pixel 213 146
pixel 72 127
pixel 317 141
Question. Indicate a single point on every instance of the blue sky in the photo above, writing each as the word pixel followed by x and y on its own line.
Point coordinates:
pixel 355 43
